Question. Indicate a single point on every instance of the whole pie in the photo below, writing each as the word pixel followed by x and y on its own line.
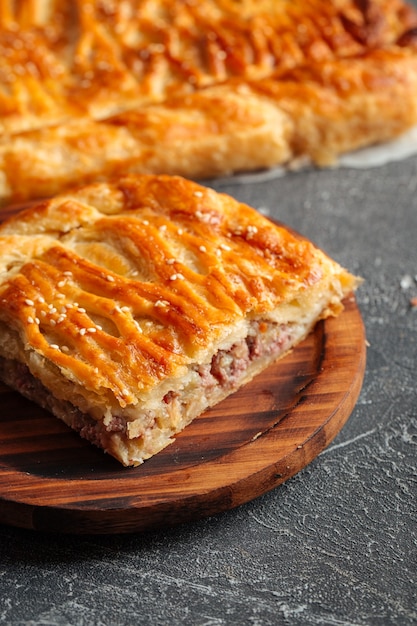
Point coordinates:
pixel 90 90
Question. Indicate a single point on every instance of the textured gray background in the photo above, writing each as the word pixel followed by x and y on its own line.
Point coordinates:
pixel 334 545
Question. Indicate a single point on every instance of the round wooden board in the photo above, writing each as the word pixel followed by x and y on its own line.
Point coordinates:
pixel 51 480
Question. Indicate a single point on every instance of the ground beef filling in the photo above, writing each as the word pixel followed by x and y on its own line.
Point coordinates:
pixel 228 366
pixel 226 370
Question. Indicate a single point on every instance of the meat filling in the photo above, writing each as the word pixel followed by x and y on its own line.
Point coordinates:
pixel 226 370
pixel 228 366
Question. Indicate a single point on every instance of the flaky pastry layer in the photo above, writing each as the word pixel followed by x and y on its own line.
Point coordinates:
pixel 129 308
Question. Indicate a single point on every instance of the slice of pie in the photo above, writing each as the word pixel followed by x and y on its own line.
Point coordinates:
pixel 89 90
pixel 127 309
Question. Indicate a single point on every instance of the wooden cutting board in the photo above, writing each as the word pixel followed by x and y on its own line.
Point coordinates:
pixel 51 480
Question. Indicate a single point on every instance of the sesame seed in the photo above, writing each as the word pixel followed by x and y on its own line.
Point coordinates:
pixel 202 249
pixel 62 283
pixel 161 303
pixel 91 330
pixel 109 278
pixel 81 310
pixel 61 318
pixel 198 194
pixel 99 327
pixel 225 247
pixel 37 320
pixel 125 309
pixel 41 299
pixel 53 322
pixel 54 346
pixel 82 331
pixel 180 231
pixel 29 302
pixel 30 319
pixel 207 218
pixel 251 231
pixel 163 228
pixel 64 348
pixel 171 261
pixel 176 277
pixel 60 296
pixel 68 273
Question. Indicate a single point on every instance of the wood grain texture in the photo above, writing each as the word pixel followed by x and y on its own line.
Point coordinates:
pixel 51 480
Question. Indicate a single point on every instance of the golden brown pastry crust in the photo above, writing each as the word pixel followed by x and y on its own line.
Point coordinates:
pixel 116 295
pixel 89 89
